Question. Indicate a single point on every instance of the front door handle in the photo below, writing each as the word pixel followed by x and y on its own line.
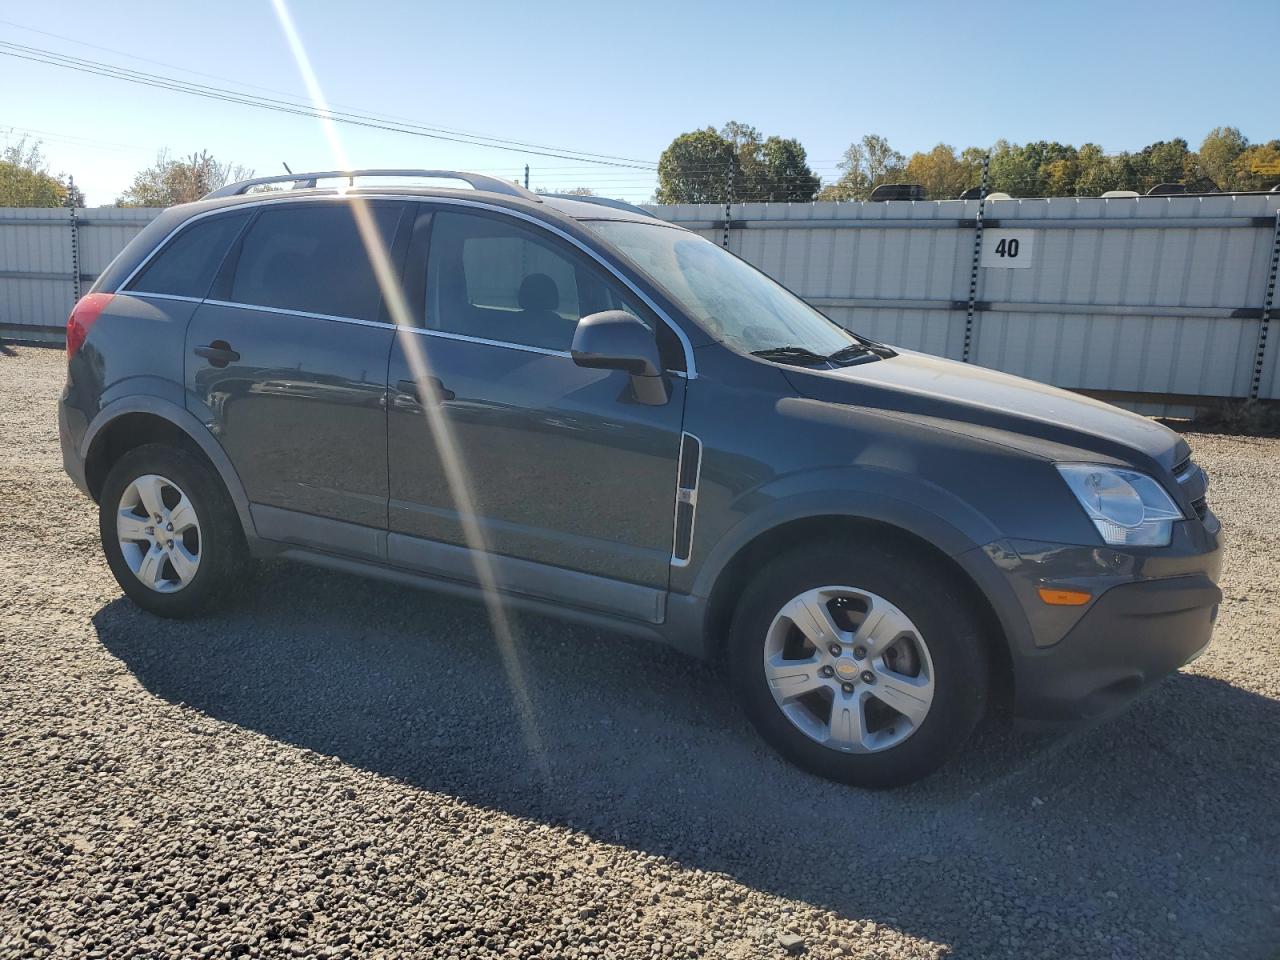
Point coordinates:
pixel 435 390
pixel 218 353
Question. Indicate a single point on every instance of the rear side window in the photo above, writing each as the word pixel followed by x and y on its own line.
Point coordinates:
pixel 186 265
pixel 311 258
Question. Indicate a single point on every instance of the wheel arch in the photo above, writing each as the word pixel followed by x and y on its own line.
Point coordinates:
pixel 131 422
pixel 734 572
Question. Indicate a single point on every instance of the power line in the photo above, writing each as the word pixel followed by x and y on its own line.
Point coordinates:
pixel 98 68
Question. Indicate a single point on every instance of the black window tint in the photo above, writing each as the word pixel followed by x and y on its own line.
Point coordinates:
pixel 496 280
pixel 186 265
pixel 311 258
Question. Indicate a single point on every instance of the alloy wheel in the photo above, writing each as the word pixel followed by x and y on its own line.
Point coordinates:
pixel 848 669
pixel 159 533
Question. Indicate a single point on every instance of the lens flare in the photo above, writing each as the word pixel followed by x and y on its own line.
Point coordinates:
pixel 437 423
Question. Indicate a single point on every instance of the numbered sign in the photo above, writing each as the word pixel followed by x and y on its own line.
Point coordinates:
pixel 1007 248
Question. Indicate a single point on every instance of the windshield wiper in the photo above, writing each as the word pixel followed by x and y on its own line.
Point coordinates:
pixel 849 352
pixel 795 355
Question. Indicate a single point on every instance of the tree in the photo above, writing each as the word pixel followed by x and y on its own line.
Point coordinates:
pixel 1258 167
pixel 170 181
pixel 1028 171
pixel 865 166
pixel 1095 172
pixel 1163 162
pixel 1219 151
pixel 942 173
pixel 736 163
pixel 779 172
pixel 75 196
pixel 25 180
pixel 697 167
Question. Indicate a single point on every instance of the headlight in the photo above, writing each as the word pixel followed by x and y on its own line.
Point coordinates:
pixel 1127 507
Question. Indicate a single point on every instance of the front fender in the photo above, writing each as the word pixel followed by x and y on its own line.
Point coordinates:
pixel 177 415
pixel 909 503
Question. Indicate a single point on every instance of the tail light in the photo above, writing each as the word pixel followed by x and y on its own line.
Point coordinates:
pixel 83 316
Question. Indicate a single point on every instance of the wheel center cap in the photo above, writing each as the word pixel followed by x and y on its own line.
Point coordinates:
pixel 846 669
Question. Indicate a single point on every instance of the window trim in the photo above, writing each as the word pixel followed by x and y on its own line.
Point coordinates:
pixel 137 273
pixel 689 373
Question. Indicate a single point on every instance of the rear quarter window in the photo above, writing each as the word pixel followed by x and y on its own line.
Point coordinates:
pixel 187 264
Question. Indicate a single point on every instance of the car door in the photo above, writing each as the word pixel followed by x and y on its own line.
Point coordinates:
pixel 572 479
pixel 286 363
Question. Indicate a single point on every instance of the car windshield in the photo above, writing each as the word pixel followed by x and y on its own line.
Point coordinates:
pixel 727 297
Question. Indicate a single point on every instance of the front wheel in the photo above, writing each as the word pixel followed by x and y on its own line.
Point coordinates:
pixel 170 532
pixel 859 663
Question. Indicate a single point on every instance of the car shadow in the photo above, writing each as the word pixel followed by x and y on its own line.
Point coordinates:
pixel 639 746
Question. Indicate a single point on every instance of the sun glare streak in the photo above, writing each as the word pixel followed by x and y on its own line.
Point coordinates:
pixel 451 460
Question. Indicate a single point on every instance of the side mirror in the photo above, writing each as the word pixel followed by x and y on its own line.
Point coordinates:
pixel 615 340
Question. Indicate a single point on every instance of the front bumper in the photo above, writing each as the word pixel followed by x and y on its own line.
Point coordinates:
pixel 1134 635
pixel 1153 611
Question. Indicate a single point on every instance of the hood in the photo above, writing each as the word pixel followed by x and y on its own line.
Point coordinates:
pixel 977 400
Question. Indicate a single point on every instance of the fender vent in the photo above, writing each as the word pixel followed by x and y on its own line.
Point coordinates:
pixel 687 475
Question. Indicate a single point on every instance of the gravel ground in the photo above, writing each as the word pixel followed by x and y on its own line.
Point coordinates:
pixel 336 768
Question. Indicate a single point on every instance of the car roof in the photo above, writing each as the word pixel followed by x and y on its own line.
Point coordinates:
pixel 582 209
pixel 479 187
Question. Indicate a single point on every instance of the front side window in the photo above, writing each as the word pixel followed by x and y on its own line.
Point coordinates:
pixel 186 265
pixel 312 258
pixel 727 297
pixel 493 279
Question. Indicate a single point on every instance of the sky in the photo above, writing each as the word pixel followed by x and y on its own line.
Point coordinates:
pixel 623 79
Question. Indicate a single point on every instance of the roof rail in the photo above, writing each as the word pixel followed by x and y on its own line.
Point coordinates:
pixel 600 201
pixel 478 181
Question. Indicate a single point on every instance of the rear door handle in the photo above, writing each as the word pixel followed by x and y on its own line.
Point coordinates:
pixel 218 353
pixel 436 390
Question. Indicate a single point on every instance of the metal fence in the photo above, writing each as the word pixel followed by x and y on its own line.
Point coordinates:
pixel 1157 301
pixel 48 257
pixel 1163 303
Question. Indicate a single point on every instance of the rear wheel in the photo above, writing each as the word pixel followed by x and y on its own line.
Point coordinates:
pixel 169 531
pixel 859 663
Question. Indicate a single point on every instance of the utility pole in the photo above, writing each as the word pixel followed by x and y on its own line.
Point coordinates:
pixel 526 176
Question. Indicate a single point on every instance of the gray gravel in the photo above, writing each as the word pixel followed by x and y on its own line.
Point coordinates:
pixel 335 768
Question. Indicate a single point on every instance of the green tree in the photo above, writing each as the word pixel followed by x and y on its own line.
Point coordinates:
pixel 1163 162
pixel 698 167
pixel 866 164
pixel 25 180
pixel 1095 173
pixel 169 181
pixel 1219 151
pixel 779 172
pixel 737 163
pixel 1030 170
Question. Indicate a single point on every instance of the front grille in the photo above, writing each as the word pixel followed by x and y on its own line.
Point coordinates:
pixel 1201 507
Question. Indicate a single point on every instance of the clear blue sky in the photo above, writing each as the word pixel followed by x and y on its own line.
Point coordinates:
pixel 624 78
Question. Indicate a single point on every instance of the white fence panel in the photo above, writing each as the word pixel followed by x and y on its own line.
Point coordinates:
pixel 35 268
pixel 1155 299
pixel 1158 296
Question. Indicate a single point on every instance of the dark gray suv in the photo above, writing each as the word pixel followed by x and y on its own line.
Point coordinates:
pixel 572 407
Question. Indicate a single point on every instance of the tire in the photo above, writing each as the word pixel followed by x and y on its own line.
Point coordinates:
pixel 941 658
pixel 208 531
